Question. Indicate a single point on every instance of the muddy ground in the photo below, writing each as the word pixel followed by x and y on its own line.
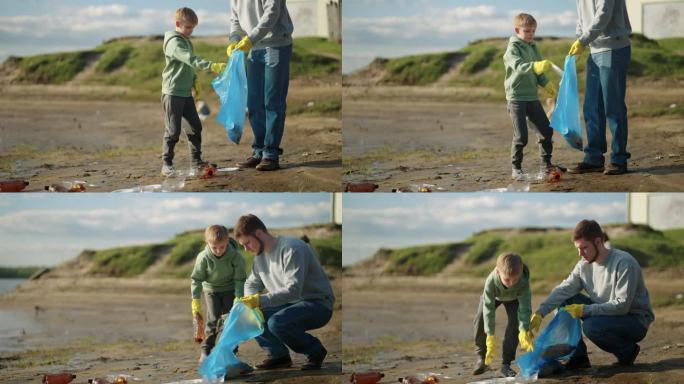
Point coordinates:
pixel 107 138
pixel 409 325
pixel 142 328
pixel 458 139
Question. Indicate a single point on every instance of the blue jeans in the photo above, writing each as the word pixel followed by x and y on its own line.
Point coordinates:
pixel 604 99
pixel 614 334
pixel 286 326
pixel 268 79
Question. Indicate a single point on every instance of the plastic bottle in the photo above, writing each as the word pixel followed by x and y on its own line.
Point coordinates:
pixel 62 378
pixel 66 186
pixel 198 325
pixel 208 172
pixel 366 377
pixel 554 175
pixel 13 185
pixel 360 187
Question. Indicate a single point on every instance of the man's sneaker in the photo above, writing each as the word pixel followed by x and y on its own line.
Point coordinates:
pixel 167 170
pixel 203 356
pixel 251 162
pixel 507 371
pixel 268 165
pixel 517 174
pixel 616 169
pixel 480 367
pixel 577 362
pixel 585 168
pixel 630 360
pixel 315 362
pixel 277 363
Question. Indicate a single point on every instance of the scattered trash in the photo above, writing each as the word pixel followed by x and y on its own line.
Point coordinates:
pixel 554 175
pixel 207 171
pixel 198 326
pixel 62 378
pixel 519 185
pixel 229 169
pixel 659 157
pixel 173 182
pixel 141 189
pixel 310 104
pixel 673 106
pixel 360 187
pixel 203 110
pixel 366 377
pixel 113 379
pixel 672 155
pixel 428 379
pixel 319 152
pixel 13 185
pixel 67 186
pixel 679 296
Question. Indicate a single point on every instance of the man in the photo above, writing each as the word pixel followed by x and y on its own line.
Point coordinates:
pixel 604 26
pixel 299 296
pixel 617 312
pixel 263 29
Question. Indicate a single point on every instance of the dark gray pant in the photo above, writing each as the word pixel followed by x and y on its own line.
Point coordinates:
pixel 175 109
pixel 520 112
pixel 218 304
pixel 510 341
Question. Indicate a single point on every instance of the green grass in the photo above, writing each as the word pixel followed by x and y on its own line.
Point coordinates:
pixel 422 260
pixel 126 261
pixel 329 250
pixel 327 106
pixel 479 57
pixel 18 272
pixel 114 57
pixel 186 247
pixel 418 69
pixel 54 68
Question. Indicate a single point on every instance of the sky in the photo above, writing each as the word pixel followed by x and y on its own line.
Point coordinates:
pixel 391 28
pixel 405 219
pixel 45 26
pixel 48 229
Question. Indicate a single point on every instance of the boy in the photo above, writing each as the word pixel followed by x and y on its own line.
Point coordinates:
pixel 178 82
pixel 508 284
pixel 220 272
pixel 525 70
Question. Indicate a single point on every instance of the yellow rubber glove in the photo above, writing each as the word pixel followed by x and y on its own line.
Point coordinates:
pixel 541 67
pixel 551 88
pixel 526 340
pixel 491 349
pixel 245 45
pixel 535 322
pixel 230 49
pixel 218 68
pixel 196 307
pixel 575 310
pixel 196 89
pixel 576 48
pixel 252 301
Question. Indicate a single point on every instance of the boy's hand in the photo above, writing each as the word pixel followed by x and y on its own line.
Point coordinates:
pixel 252 301
pixel 551 89
pixel 526 340
pixel 541 67
pixel 576 48
pixel 230 49
pixel 491 349
pixel 218 68
pixel 196 90
pixel 535 322
pixel 196 307
pixel 575 310
pixel 245 45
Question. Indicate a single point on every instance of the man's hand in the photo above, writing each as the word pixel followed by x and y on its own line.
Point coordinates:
pixel 252 301
pixel 576 48
pixel 526 340
pixel 218 68
pixel 491 349
pixel 575 310
pixel 245 45
pixel 196 307
pixel 535 322
pixel 541 67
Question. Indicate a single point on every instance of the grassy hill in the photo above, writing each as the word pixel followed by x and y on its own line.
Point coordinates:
pixel 18 272
pixel 549 253
pixel 137 63
pixel 480 64
pixel 176 257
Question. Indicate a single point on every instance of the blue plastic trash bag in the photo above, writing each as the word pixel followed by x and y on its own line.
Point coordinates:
pixel 565 117
pixel 242 324
pixel 556 343
pixel 231 87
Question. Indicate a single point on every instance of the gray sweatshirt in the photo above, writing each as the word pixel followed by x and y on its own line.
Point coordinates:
pixel 291 273
pixel 603 24
pixel 616 287
pixel 266 22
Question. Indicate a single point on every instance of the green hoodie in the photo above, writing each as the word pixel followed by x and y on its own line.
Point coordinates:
pixel 521 81
pixel 495 290
pixel 219 274
pixel 179 73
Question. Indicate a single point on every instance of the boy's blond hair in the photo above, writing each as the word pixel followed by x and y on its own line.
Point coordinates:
pixel 524 20
pixel 509 264
pixel 216 234
pixel 187 15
